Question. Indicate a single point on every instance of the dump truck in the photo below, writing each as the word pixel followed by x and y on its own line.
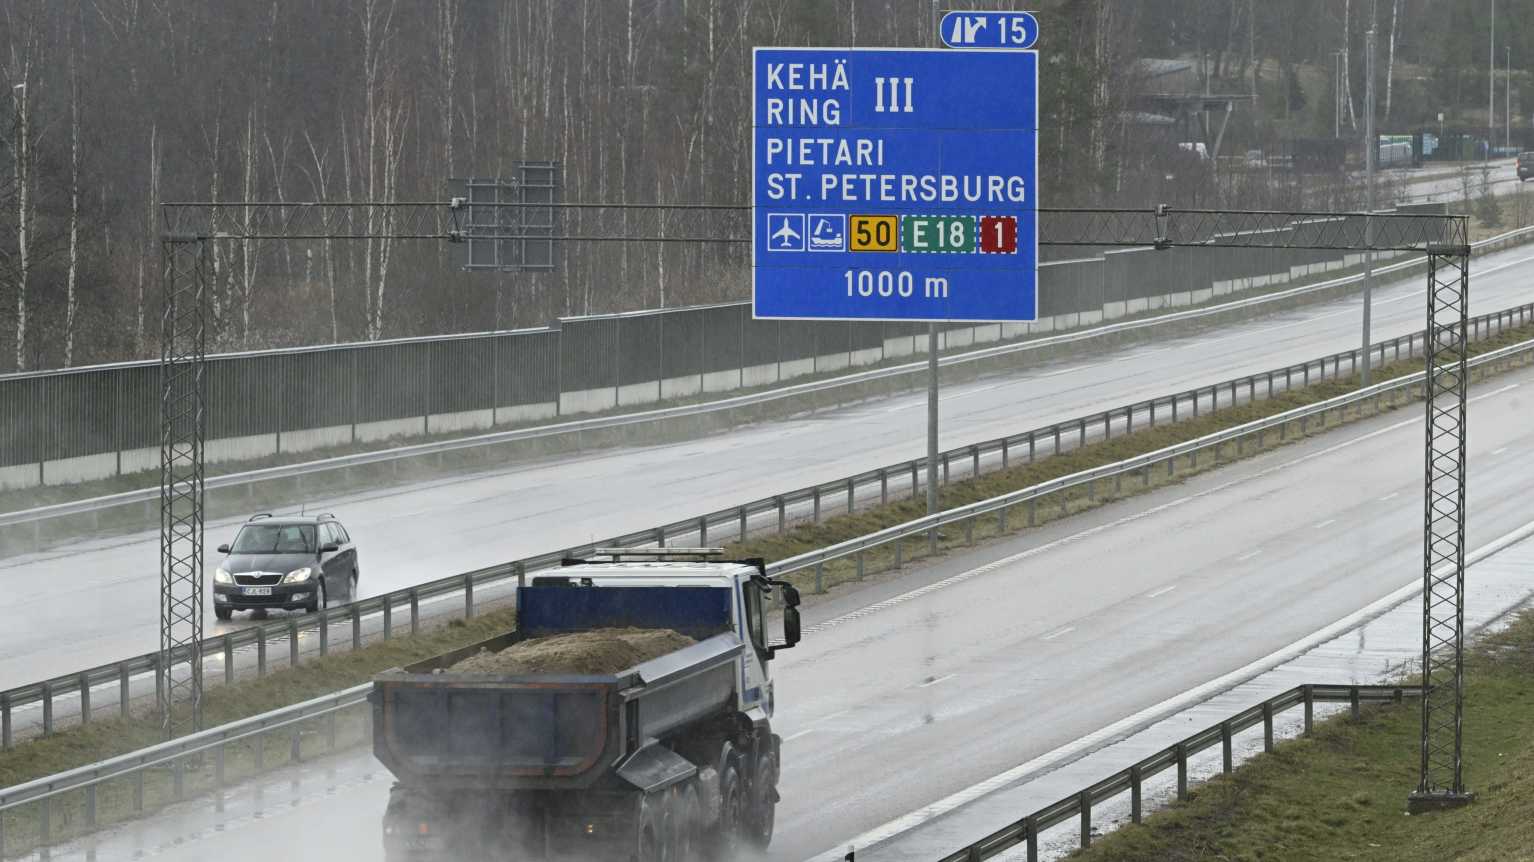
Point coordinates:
pixel 527 758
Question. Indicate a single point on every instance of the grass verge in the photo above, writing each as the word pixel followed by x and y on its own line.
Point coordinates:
pixel 1340 793
pixel 122 799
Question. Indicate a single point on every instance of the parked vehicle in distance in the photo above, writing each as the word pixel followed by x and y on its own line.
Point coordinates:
pixel 1525 166
pixel 287 563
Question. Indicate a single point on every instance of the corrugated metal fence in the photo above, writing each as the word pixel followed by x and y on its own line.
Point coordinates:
pixel 67 426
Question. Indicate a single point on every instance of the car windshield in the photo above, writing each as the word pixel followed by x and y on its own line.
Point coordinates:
pixel 275 539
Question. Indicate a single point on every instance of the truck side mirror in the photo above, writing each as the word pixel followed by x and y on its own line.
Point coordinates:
pixel 790 627
pixel 790 596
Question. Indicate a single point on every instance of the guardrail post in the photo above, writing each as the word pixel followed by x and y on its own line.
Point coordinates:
pixel 292 643
pixel 2 834
pixel 324 630
pixel 356 616
pixel 660 537
pixel 138 791
pixel 1136 807
pixel 90 806
pixel 1309 697
pixel 1174 408
pixel 1031 446
pixel 975 454
pixel 5 721
pixel 703 531
pixel 1001 520
pixel 178 779
pixel 742 516
pixel 899 550
pixel 1005 451
pixel 1084 802
pixel 815 496
pixel 1056 450
pixel 1083 434
pixel 415 611
pixel 1227 762
pixel 1107 425
pixel 468 602
pixel 783 513
pixel 860 564
pixel 260 652
pixel 1196 400
pixel 1353 703
pixel 388 617
pixel 820 577
pixel 330 731
pixel 969 531
pixel 1033 513
pixel 295 744
pixel 85 700
pixel 1181 752
pixel 47 709
pixel 1267 726
pixel 1031 826
pixel 945 468
pixel 259 744
pixel 122 689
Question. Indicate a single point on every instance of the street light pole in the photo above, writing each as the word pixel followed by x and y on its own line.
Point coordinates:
pixel 1491 81
pixel 1370 148
pixel 1507 94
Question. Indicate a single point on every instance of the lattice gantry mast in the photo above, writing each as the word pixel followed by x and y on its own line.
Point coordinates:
pixel 1442 781
pixel 183 424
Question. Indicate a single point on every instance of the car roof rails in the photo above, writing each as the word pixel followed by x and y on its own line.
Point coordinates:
pixel 324 516
pixel 260 515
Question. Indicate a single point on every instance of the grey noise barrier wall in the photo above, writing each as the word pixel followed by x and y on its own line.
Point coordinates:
pixel 59 427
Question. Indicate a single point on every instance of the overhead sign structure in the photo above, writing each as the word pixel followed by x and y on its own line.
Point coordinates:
pixel 895 184
pixel 996 30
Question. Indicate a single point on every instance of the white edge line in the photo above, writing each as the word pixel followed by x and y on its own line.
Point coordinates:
pixel 1161 592
pixel 1127 726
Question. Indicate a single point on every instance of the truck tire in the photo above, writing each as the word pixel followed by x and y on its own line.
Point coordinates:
pixel 762 802
pixel 725 840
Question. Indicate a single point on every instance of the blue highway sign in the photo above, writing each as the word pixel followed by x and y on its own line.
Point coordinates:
pixel 895 184
pixel 1009 30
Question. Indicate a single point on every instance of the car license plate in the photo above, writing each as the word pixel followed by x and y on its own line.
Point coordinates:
pixel 258 591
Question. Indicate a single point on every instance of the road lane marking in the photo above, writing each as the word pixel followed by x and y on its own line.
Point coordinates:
pixel 1073 368
pixel 1057 632
pixel 1137 722
pixel 1391 496
pixel 1499 451
pixel 1326 523
pixel 937 681
pixel 1247 556
pixel 805 732
pixel 1161 592
pixel 987 568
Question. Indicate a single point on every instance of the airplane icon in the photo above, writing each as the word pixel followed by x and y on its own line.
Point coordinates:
pixel 785 232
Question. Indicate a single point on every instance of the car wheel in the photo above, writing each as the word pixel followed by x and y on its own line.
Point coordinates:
pixel 223 613
pixel 320 600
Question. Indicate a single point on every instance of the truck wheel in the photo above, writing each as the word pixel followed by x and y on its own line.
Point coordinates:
pixel 724 841
pixel 684 825
pixel 761 810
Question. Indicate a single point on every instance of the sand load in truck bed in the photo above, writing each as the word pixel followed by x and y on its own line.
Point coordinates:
pixel 598 651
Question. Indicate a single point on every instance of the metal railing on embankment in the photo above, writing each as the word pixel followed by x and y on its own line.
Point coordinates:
pixel 780 512
pixel 1079 805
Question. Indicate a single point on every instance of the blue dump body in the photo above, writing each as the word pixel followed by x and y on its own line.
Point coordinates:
pixel 554 731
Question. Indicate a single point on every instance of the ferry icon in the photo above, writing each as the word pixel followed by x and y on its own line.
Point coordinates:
pixel 785 232
pixel 828 232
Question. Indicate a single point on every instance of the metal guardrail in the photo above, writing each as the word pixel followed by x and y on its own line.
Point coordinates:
pixel 721 405
pixel 174 756
pixel 1140 464
pixel 1028 829
pixel 780 511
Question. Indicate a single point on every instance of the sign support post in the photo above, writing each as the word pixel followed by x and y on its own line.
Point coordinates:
pixel 932 477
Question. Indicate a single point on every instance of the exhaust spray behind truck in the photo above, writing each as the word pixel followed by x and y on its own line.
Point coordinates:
pixel 513 748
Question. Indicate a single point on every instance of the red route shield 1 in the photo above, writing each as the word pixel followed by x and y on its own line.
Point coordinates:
pixel 998 235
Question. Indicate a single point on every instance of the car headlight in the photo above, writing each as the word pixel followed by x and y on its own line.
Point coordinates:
pixel 222 577
pixel 297 576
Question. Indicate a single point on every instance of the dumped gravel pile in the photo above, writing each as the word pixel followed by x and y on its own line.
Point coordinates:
pixel 597 651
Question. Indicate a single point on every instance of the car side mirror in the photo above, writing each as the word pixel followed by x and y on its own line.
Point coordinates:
pixel 223 549
pixel 330 548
